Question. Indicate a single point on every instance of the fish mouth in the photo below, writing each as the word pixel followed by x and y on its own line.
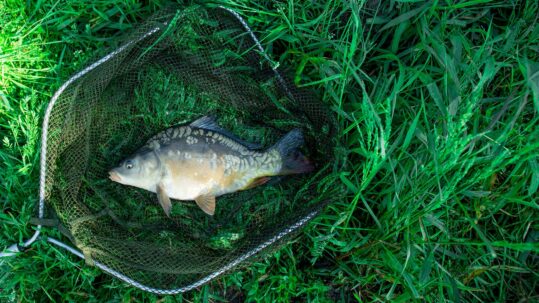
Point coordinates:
pixel 114 176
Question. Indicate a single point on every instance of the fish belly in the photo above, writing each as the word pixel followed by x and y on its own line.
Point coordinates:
pixel 185 188
pixel 188 179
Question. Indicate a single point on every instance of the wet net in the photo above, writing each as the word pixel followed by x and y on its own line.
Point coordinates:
pixel 178 66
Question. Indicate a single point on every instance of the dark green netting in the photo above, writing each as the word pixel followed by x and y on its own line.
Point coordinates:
pixel 178 66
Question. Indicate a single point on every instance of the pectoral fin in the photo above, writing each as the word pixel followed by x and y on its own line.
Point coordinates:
pixel 206 203
pixel 164 199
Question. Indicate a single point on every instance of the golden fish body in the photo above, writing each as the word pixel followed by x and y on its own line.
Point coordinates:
pixel 201 161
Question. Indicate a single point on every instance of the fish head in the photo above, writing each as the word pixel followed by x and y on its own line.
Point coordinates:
pixel 140 170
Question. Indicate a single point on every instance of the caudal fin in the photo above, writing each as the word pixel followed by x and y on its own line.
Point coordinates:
pixel 293 161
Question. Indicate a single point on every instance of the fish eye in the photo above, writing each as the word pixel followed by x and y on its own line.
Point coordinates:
pixel 129 164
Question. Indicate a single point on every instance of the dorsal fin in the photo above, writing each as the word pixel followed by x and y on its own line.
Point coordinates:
pixel 209 123
pixel 206 122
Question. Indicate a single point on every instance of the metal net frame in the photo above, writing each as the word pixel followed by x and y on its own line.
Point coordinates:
pixel 155 41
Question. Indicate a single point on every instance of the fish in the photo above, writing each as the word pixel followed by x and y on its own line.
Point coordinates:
pixel 201 161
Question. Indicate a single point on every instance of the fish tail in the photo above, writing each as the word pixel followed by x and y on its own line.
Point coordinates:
pixel 293 161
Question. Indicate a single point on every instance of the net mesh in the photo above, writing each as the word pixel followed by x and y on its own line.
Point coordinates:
pixel 179 65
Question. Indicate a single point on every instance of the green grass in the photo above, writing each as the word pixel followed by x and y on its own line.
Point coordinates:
pixel 439 106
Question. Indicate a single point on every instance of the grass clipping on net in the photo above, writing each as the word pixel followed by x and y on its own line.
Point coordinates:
pixel 162 101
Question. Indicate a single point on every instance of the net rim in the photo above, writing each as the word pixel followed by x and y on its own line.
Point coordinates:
pixel 43 173
pixel 200 282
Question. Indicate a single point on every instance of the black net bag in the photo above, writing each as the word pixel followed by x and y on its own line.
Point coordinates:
pixel 178 66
